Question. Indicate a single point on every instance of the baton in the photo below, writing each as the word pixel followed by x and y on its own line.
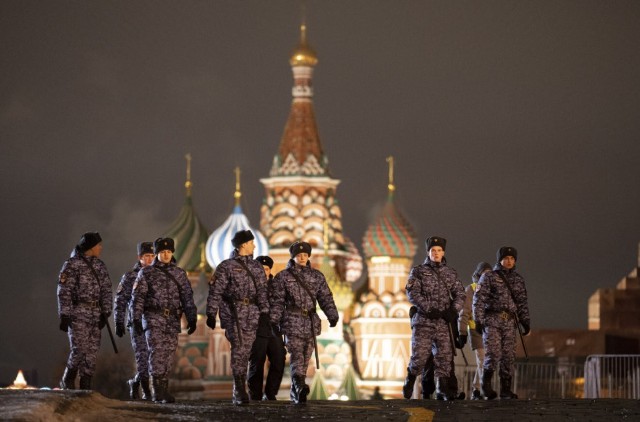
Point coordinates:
pixel 315 342
pixel 526 356
pixel 466 362
pixel 113 341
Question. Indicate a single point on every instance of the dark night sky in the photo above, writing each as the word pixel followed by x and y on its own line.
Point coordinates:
pixel 511 123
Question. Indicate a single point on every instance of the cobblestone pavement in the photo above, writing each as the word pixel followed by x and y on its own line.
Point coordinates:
pixel 42 405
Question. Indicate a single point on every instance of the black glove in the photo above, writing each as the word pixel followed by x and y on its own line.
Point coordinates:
pixel 191 326
pixel 65 322
pixel 526 329
pixel 119 329
pixel 450 315
pixel 333 322
pixel 479 328
pixel 103 321
pixel 211 322
pixel 461 341
pixel 137 327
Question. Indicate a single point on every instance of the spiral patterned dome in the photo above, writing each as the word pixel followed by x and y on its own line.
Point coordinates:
pixel 390 234
pixel 219 245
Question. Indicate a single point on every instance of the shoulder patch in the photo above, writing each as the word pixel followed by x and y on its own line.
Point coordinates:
pixel 62 278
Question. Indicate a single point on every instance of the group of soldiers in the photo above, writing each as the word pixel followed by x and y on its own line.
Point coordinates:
pixel 492 309
pixel 255 309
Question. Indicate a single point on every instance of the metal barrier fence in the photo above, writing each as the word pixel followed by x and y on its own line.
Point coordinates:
pixel 535 380
pixel 612 376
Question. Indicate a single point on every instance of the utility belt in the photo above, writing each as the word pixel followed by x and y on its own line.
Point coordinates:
pixel 88 303
pixel 245 301
pixel 165 312
pixel 293 309
pixel 504 315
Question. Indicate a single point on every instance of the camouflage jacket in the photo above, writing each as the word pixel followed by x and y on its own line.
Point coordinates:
pixel 231 287
pixel 158 300
pixel 433 287
pixel 123 295
pixel 293 308
pixel 80 295
pixel 493 296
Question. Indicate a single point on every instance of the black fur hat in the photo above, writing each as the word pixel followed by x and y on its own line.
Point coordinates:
pixel 507 251
pixel 88 241
pixel 163 243
pixel 144 248
pixel 242 236
pixel 436 241
pixel 265 260
pixel 298 247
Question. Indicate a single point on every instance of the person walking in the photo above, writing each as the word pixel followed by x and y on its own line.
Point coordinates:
pixel 238 292
pixel 161 294
pixel 437 296
pixel 268 344
pixel 499 305
pixel 467 328
pixel 296 290
pixel 84 306
pixel 121 309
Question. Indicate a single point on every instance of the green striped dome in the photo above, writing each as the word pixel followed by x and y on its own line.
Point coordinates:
pixel 190 237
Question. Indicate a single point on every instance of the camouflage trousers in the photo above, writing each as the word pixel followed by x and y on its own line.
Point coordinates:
pixel 432 337
pixel 84 343
pixel 499 341
pixel 162 344
pixel 141 353
pixel 300 349
pixel 240 352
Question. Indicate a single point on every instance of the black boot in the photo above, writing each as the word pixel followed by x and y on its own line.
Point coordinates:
pixel 407 388
pixel 68 381
pixel 85 382
pixel 157 390
pixel 168 398
pixel 505 389
pixel 476 395
pixel 428 385
pixel 134 388
pixel 146 392
pixel 240 395
pixel 444 390
pixel 299 389
pixel 485 385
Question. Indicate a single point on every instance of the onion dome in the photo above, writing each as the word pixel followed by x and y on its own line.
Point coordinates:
pixel 354 261
pixel 303 54
pixel 188 233
pixel 390 234
pixel 219 245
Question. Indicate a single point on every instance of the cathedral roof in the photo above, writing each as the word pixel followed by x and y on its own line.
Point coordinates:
pixel 188 233
pixel 300 152
pixel 390 234
pixel 219 245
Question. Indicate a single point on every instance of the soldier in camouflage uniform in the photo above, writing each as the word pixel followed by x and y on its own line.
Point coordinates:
pixel 437 294
pixel 467 328
pixel 238 291
pixel 138 341
pixel 293 306
pixel 161 293
pixel 500 302
pixel 84 305
pixel 268 344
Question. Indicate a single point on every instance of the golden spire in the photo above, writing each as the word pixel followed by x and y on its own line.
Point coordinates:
pixel 303 55
pixel 188 183
pixel 391 185
pixel 203 260
pixel 237 194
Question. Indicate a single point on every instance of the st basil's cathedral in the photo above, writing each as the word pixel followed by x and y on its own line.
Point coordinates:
pixel 371 347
